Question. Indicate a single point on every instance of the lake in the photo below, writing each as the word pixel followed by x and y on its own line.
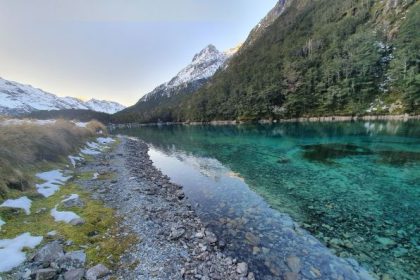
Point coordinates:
pixel 355 186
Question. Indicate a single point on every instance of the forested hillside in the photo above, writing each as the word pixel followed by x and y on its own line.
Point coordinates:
pixel 322 57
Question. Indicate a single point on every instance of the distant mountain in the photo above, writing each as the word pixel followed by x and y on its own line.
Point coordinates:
pixel 195 75
pixel 19 99
pixel 109 107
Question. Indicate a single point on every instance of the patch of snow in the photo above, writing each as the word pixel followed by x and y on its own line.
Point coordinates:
pixel 93 145
pixel 63 216
pixel 74 160
pixel 11 254
pixel 87 151
pixel 72 196
pixel 2 223
pixel 105 140
pixel 95 175
pixel 22 203
pixel 53 180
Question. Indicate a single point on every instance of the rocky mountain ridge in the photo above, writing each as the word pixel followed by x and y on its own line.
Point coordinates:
pixel 18 99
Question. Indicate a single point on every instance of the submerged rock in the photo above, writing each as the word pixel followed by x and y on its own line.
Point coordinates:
pixel 211 238
pixel 242 268
pixel 252 238
pixel 293 263
pixel 386 242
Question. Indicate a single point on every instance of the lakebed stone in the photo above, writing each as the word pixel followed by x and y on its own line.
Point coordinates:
pixel 242 268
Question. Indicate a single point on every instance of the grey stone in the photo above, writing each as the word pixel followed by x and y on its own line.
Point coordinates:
pixel 176 233
pixel 74 274
pixel 293 263
pixel 75 259
pixel 77 222
pixel 98 271
pixel 27 274
pixel 251 276
pixel 45 274
pixel 252 238
pixel 50 252
pixel 242 268
pixel 211 238
pixel 290 276
pixel 74 202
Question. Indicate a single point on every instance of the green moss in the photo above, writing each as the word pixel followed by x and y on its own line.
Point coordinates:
pixel 84 175
pixel 100 236
pixel 107 176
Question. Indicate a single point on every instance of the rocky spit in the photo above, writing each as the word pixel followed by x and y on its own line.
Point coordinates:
pixel 173 242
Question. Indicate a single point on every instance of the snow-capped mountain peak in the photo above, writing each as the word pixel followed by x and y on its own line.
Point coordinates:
pixel 109 107
pixel 203 66
pixel 16 99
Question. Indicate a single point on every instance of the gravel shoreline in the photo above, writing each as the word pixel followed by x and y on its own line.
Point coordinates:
pixel 173 242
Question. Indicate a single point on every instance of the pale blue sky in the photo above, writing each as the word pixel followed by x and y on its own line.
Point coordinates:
pixel 115 49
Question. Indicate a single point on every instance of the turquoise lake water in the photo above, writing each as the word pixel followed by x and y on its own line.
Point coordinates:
pixel 353 185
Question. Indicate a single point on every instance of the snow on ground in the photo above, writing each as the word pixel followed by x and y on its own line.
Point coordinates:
pixel 95 175
pixel 94 148
pixel 63 216
pixel 105 140
pixel 72 196
pixel 11 254
pixel 2 223
pixel 93 145
pixel 74 160
pixel 87 151
pixel 22 203
pixel 53 180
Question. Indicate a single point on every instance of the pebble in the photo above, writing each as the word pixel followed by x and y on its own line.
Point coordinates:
pixel 293 263
pixel 74 274
pixel 45 274
pixel 242 268
pixel 98 271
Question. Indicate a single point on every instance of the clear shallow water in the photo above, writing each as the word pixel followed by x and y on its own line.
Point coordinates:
pixel 355 186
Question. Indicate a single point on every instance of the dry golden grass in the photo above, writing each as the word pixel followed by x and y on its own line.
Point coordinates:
pixel 26 144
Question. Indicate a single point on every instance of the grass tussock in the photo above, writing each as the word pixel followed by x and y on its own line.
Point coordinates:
pixel 25 145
